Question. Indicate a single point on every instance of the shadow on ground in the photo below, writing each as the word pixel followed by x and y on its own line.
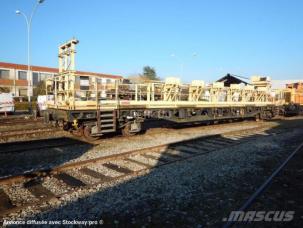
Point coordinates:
pixel 18 157
pixel 195 192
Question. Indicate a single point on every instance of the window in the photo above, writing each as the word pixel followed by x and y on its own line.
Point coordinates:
pixel 108 81
pixel 99 81
pixel 35 78
pixel 4 74
pixel 84 82
pixel 22 75
pixel 44 76
pixel 22 92
pixel 77 80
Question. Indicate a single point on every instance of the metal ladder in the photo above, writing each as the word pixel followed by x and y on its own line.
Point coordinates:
pixel 107 121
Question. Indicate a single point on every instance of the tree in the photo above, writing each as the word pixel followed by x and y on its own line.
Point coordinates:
pixel 4 90
pixel 40 89
pixel 150 73
pixel 137 78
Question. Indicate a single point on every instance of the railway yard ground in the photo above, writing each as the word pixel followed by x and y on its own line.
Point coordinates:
pixel 190 176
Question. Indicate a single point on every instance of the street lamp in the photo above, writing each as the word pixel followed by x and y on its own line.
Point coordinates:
pixel 181 62
pixel 28 25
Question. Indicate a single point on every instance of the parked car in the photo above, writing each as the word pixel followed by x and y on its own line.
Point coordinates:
pixel 7 104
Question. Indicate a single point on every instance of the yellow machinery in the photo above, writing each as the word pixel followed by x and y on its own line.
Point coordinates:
pixel 94 109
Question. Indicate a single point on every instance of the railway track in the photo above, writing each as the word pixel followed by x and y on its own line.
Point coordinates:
pixel 5 136
pixel 23 146
pixel 20 147
pixel 266 184
pixel 13 121
pixel 36 186
pixel 22 130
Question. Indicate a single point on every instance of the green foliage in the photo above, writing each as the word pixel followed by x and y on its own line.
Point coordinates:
pixel 150 73
pixel 40 89
pixel 23 105
pixel 4 90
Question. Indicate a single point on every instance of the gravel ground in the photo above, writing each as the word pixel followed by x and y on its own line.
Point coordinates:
pixel 54 185
pixel 284 194
pixel 78 175
pixel 197 192
pixel 19 195
pixel 105 171
pixel 150 162
pixel 15 163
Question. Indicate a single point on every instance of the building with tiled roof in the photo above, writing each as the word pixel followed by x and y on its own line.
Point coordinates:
pixel 13 77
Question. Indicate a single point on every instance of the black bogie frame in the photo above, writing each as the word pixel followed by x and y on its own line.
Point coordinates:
pixel 96 123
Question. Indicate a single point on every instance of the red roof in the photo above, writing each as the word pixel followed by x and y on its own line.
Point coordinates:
pixel 54 70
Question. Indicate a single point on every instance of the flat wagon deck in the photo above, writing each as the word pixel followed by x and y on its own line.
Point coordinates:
pixel 91 108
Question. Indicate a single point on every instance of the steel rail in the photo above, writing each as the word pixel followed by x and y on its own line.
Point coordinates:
pixel 264 186
pixel 157 149
pixel 42 172
pixel 24 130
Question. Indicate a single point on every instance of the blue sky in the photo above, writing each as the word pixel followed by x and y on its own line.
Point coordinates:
pixel 242 37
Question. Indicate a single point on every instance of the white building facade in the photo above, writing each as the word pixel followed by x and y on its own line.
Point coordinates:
pixel 13 77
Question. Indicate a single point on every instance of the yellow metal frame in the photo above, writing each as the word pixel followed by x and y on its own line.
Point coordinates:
pixel 155 95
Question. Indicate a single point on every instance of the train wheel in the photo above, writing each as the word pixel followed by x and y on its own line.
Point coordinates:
pixel 126 130
pixel 78 132
pixel 87 133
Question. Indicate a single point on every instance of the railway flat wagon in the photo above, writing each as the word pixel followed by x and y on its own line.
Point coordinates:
pixel 97 109
pixel 293 99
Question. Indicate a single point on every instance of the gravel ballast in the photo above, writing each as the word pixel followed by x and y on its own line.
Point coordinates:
pixel 16 163
pixel 196 192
